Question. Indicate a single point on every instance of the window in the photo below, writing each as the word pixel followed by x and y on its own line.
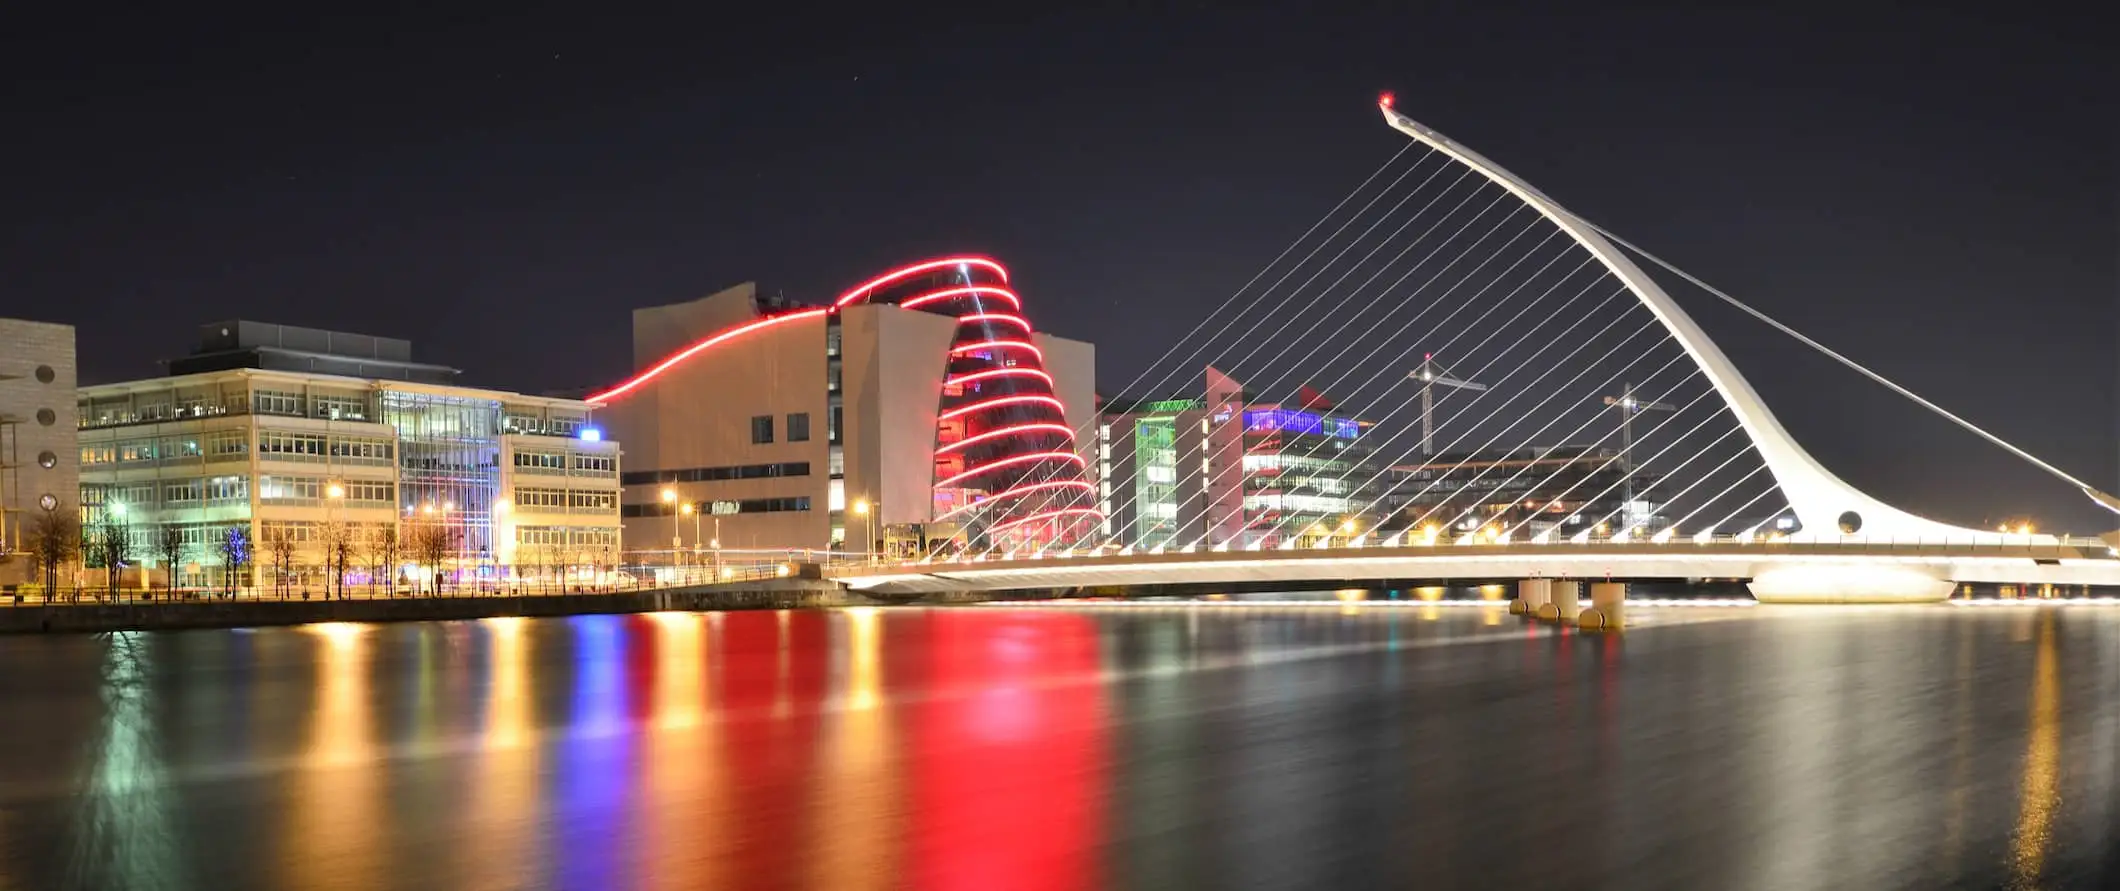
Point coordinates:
pixel 761 429
pixel 182 492
pixel 290 446
pixel 228 488
pixel 798 427
pixel 227 442
pixel 595 465
pixel 347 408
pixel 383 492
pixel 541 462
pixel 98 454
pixel 715 474
pixel 592 502
pixel 132 495
pixel 549 536
pixel 274 402
pixel 298 532
pixel 361 450
pixel 599 537
pixel 137 450
pixel 529 499
pixel 289 489
pixel 178 447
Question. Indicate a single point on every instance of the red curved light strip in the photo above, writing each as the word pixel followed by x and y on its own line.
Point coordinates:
pixel 681 355
pixel 1044 515
pixel 1016 492
pixel 1004 431
pixel 997 317
pixel 961 411
pixel 1001 372
pixel 994 344
pixel 1015 459
pixel 916 269
pixel 932 296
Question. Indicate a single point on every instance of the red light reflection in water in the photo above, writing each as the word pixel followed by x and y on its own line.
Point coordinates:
pixel 1009 776
pixel 774 668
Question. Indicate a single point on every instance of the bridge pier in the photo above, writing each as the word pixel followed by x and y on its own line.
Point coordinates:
pixel 1608 608
pixel 1531 594
pixel 1567 601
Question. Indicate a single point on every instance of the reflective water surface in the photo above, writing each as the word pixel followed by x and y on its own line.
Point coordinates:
pixel 983 748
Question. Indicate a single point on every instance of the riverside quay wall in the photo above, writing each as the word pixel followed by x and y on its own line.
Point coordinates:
pixel 91 617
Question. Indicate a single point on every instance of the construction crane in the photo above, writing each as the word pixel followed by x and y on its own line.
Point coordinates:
pixel 1431 376
pixel 1630 405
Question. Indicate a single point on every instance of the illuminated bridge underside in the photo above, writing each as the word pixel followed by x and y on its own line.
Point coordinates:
pixel 1781 572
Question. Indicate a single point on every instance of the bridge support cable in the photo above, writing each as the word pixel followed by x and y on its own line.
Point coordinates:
pixel 1256 332
pixel 1242 368
pixel 1480 371
pixel 1525 444
pixel 1259 296
pixel 1819 499
pixel 1629 472
pixel 1670 529
pixel 1528 388
pixel 1220 475
pixel 1734 514
pixel 2103 498
pixel 1708 531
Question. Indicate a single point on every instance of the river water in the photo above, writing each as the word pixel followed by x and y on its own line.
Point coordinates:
pixel 1330 746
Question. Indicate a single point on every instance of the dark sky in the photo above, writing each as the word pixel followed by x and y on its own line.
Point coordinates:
pixel 1933 193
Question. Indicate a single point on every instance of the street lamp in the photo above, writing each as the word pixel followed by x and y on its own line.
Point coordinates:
pixel 669 496
pixel 334 545
pixel 861 507
pixel 686 509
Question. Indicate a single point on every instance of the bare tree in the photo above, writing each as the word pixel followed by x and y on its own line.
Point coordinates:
pixel 55 540
pixel 112 546
pixel 279 542
pixel 431 544
pixel 383 550
pixel 169 545
pixel 234 549
pixel 339 540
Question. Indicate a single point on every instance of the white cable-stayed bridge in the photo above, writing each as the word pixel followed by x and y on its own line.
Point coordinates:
pixel 1585 427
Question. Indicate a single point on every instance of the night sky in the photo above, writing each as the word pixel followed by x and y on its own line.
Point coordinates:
pixel 1933 194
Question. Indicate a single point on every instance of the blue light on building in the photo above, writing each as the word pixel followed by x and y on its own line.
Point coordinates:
pixel 1292 421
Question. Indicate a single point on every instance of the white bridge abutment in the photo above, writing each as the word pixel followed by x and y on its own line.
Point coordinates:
pixel 1847 582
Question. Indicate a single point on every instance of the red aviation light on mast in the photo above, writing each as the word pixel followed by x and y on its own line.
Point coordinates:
pixel 1385 99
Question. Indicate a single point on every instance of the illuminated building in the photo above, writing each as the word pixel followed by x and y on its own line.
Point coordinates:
pixel 37 448
pixel 287 432
pixel 919 405
pixel 1228 469
pixel 1560 489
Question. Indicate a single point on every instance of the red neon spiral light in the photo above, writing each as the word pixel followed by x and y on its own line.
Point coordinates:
pixel 997 402
pixel 1007 431
pixel 916 269
pixel 1018 492
pixel 1016 474
pixel 999 372
pixel 1045 515
pixel 1011 461
pixel 967 291
pixel 687 352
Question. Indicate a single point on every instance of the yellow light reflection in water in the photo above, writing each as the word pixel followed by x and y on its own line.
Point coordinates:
pixel 335 819
pixel 2042 765
pixel 1494 592
pixel 682 760
pixel 857 791
pixel 1351 595
pixel 504 790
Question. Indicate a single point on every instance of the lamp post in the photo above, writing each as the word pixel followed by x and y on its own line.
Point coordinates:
pixel 334 544
pixel 716 545
pixel 504 536
pixel 111 554
pixel 686 509
pixel 861 507
pixel 669 496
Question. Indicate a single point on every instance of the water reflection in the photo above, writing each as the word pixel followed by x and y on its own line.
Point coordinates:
pixel 125 834
pixel 335 826
pixel 1128 747
pixel 2042 760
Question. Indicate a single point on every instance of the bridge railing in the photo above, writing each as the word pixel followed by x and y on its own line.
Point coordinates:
pixel 2032 546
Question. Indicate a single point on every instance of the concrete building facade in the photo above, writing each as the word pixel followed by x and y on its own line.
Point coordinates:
pixel 521 486
pixel 894 416
pixel 39 460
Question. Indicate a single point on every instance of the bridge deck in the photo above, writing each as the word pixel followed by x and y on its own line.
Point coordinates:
pixel 1643 561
